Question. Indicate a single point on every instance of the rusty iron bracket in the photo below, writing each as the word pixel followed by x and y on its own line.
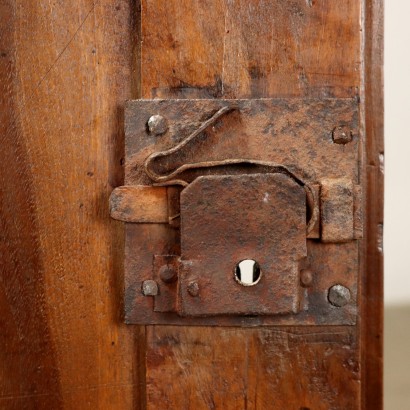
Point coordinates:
pixel 241 212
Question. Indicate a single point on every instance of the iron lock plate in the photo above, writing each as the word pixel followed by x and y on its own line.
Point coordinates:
pixel 210 183
pixel 228 219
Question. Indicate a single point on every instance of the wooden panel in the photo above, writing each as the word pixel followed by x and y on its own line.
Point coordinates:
pixel 66 69
pixel 239 49
pixel 275 368
pixel 242 48
pixel 65 72
pixel 372 290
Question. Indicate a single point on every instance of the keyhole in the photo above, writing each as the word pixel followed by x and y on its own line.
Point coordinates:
pixel 248 272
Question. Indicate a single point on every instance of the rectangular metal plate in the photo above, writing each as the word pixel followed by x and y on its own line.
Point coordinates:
pixel 228 219
pixel 294 132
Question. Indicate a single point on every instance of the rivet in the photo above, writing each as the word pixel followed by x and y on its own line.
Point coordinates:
pixel 193 289
pixel 306 278
pixel 157 125
pixel 342 135
pixel 339 295
pixel 149 288
pixel 167 274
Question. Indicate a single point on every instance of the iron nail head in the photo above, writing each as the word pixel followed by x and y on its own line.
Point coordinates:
pixel 306 277
pixel 339 295
pixel 167 274
pixel 342 135
pixel 157 124
pixel 193 289
pixel 149 288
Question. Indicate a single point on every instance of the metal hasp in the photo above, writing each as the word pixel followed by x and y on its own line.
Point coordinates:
pixel 241 212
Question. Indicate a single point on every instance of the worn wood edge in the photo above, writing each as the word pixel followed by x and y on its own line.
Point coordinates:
pixel 371 325
pixel 143 204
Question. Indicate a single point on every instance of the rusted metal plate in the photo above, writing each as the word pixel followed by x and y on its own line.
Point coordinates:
pixel 165 273
pixel 341 217
pixel 228 219
pixel 337 212
pixel 296 133
pixel 291 131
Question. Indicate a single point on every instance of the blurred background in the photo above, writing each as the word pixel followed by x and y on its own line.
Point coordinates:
pixel 397 204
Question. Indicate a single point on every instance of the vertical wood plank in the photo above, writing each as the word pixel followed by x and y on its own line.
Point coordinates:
pixel 372 290
pixel 238 49
pixel 66 70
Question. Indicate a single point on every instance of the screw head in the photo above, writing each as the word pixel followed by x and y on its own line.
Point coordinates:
pixel 149 288
pixel 339 295
pixel 193 289
pixel 306 277
pixel 342 135
pixel 157 125
pixel 167 274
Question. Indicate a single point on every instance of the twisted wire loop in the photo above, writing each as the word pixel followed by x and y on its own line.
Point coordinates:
pixel 170 178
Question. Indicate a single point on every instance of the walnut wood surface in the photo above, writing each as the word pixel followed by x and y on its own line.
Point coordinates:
pixel 66 69
pixel 372 289
pixel 65 72
pixel 193 49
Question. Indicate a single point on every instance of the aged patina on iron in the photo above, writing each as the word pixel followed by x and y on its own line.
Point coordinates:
pixel 272 181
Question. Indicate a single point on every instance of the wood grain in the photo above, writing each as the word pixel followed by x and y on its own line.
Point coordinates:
pixel 372 290
pixel 275 368
pixel 236 49
pixel 66 71
pixel 240 49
